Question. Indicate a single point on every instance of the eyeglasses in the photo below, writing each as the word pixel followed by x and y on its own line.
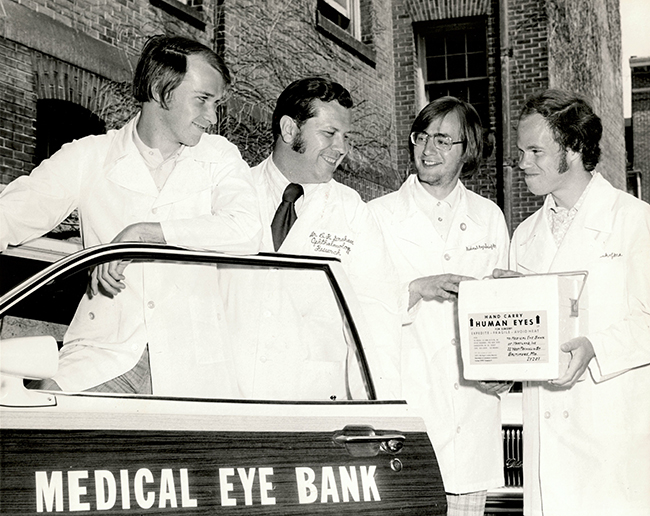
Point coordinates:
pixel 442 142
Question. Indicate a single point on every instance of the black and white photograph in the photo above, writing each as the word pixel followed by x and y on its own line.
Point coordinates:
pixel 295 257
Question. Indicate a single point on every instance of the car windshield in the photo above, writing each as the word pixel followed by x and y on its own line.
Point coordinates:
pixel 208 325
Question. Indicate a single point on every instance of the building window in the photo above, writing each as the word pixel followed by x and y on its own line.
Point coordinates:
pixel 348 22
pixel 344 13
pixel 453 59
pixel 190 11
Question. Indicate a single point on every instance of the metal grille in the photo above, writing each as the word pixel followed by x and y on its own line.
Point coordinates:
pixel 513 455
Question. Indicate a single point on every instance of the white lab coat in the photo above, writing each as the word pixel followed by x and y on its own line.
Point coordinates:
pixel 464 423
pixel 268 309
pixel 587 448
pixel 208 202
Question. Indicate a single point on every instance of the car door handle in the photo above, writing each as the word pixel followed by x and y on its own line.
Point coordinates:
pixel 364 441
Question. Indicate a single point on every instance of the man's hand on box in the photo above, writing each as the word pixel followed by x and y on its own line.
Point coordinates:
pixel 443 287
pixel 504 273
pixel 581 354
pixel 495 387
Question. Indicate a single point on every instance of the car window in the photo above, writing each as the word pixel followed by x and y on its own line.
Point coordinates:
pixel 276 330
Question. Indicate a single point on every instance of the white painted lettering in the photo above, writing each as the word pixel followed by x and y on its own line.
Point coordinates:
pixel 307 492
pixel 167 489
pixel 266 486
pixel 124 489
pixel 349 484
pixel 141 476
pixel 105 482
pixel 186 501
pixel 328 485
pixel 247 483
pixel 368 483
pixel 49 491
pixel 226 487
pixel 76 491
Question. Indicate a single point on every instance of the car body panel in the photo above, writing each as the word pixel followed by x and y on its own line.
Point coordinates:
pixel 92 453
pixel 197 456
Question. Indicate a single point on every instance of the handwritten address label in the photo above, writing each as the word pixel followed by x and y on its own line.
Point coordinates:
pixel 508 337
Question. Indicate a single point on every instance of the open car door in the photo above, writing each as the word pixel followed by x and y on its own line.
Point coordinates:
pixel 292 425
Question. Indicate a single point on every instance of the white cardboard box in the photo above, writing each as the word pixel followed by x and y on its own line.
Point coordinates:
pixel 512 328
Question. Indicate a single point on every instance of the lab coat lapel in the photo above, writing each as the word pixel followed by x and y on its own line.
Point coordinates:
pixel 413 231
pixel 466 228
pixel 410 220
pixel 124 165
pixel 537 252
pixel 585 237
pixel 188 177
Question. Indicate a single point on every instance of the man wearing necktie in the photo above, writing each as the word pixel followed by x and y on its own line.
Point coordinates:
pixel 285 216
pixel 305 211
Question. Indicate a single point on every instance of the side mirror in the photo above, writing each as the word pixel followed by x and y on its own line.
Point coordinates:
pixel 26 358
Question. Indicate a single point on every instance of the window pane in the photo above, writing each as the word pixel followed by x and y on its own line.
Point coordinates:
pixel 247 331
pixel 456 67
pixel 456 43
pixel 465 58
pixel 459 90
pixel 478 92
pixel 476 65
pixel 478 97
pixel 435 91
pixel 435 46
pixel 436 69
pixel 475 41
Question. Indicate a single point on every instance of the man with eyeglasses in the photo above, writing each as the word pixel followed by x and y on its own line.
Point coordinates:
pixel 439 233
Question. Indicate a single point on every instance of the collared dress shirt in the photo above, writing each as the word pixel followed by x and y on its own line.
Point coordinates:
pixel 560 218
pixel 207 202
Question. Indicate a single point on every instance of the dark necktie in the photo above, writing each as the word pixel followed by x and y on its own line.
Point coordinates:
pixel 285 215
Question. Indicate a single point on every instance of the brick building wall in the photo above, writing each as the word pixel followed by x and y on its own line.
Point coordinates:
pixel 640 69
pixel 573 45
pixel 409 95
pixel 77 51
pixel 271 44
pixel 17 111
pixel 527 25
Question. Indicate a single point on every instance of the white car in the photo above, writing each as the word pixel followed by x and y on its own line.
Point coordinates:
pixel 87 453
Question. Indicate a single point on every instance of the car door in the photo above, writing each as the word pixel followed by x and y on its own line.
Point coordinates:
pixel 291 426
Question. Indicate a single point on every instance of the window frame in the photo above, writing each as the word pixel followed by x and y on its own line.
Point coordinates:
pixel 423 30
pixel 190 15
pixel 351 40
pixel 352 12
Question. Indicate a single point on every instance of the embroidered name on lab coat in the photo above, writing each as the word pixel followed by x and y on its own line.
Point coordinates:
pixel 480 246
pixel 331 243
